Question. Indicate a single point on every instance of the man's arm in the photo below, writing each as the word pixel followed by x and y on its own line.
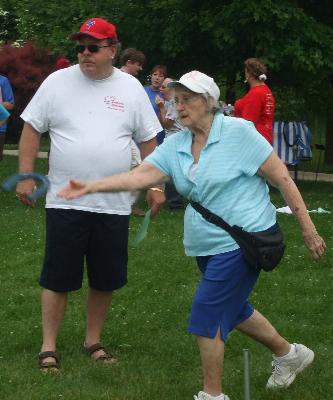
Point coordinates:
pixel 28 151
pixel 147 147
pixel 155 196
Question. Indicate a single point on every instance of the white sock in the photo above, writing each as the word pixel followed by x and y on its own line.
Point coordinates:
pixel 291 353
pixel 219 397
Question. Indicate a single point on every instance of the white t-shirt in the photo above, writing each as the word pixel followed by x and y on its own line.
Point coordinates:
pixel 171 113
pixel 136 155
pixel 91 124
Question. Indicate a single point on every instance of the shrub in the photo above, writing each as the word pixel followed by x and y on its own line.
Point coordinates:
pixel 26 67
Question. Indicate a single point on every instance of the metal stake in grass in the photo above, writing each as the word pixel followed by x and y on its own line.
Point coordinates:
pixel 247 395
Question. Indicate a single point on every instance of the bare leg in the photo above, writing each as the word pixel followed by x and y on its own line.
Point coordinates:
pixel 98 304
pixel 212 356
pixel 260 329
pixel 53 311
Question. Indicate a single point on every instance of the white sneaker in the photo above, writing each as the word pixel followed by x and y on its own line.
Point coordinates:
pixel 206 396
pixel 285 370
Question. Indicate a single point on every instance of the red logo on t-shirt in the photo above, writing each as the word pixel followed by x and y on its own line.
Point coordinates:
pixel 114 104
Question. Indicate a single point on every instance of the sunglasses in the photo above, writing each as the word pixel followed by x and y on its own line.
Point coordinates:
pixel 92 48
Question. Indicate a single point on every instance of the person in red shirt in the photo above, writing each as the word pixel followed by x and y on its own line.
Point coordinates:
pixel 258 105
pixel 61 63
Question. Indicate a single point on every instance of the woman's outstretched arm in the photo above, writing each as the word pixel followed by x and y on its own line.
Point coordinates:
pixel 141 177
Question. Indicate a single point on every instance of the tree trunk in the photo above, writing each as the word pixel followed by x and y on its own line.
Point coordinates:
pixel 329 136
pixel 230 95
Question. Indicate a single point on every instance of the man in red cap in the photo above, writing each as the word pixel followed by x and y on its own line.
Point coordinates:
pixel 91 111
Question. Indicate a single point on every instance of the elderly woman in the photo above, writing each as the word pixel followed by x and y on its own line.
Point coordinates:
pixel 258 105
pixel 222 163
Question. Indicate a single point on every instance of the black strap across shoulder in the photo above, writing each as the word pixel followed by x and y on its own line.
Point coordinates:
pixel 211 217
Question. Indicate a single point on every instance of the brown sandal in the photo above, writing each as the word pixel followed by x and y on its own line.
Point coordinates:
pixel 105 358
pixel 48 366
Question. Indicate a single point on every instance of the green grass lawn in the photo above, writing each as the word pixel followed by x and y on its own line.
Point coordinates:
pixel 146 328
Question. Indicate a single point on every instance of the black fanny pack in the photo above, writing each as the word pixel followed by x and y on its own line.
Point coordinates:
pixel 262 250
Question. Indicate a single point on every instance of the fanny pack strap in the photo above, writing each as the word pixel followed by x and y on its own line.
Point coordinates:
pixel 212 218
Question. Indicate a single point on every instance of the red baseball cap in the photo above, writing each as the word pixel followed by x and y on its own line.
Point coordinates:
pixel 98 28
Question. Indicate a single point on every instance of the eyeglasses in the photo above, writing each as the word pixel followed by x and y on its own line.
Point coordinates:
pixel 164 87
pixel 186 99
pixel 92 48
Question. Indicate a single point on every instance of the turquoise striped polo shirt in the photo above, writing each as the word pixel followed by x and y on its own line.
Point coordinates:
pixel 225 182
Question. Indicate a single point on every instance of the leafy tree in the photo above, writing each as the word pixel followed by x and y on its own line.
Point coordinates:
pixel 324 15
pixel 49 24
pixel 8 22
pixel 294 37
pixel 215 36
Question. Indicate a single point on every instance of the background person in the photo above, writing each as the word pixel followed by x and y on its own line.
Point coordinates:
pixel 222 163
pixel 171 123
pixel 157 74
pixel 132 61
pixel 7 101
pixel 91 110
pixel 62 62
pixel 168 114
pixel 4 114
pixel 258 105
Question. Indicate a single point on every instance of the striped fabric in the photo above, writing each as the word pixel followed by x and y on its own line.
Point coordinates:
pixel 292 141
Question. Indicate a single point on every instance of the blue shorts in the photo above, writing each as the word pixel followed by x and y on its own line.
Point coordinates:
pixel 221 299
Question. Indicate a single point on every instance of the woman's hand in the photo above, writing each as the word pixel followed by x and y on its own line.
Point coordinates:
pixel 155 200
pixel 75 189
pixel 315 243
pixel 159 101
